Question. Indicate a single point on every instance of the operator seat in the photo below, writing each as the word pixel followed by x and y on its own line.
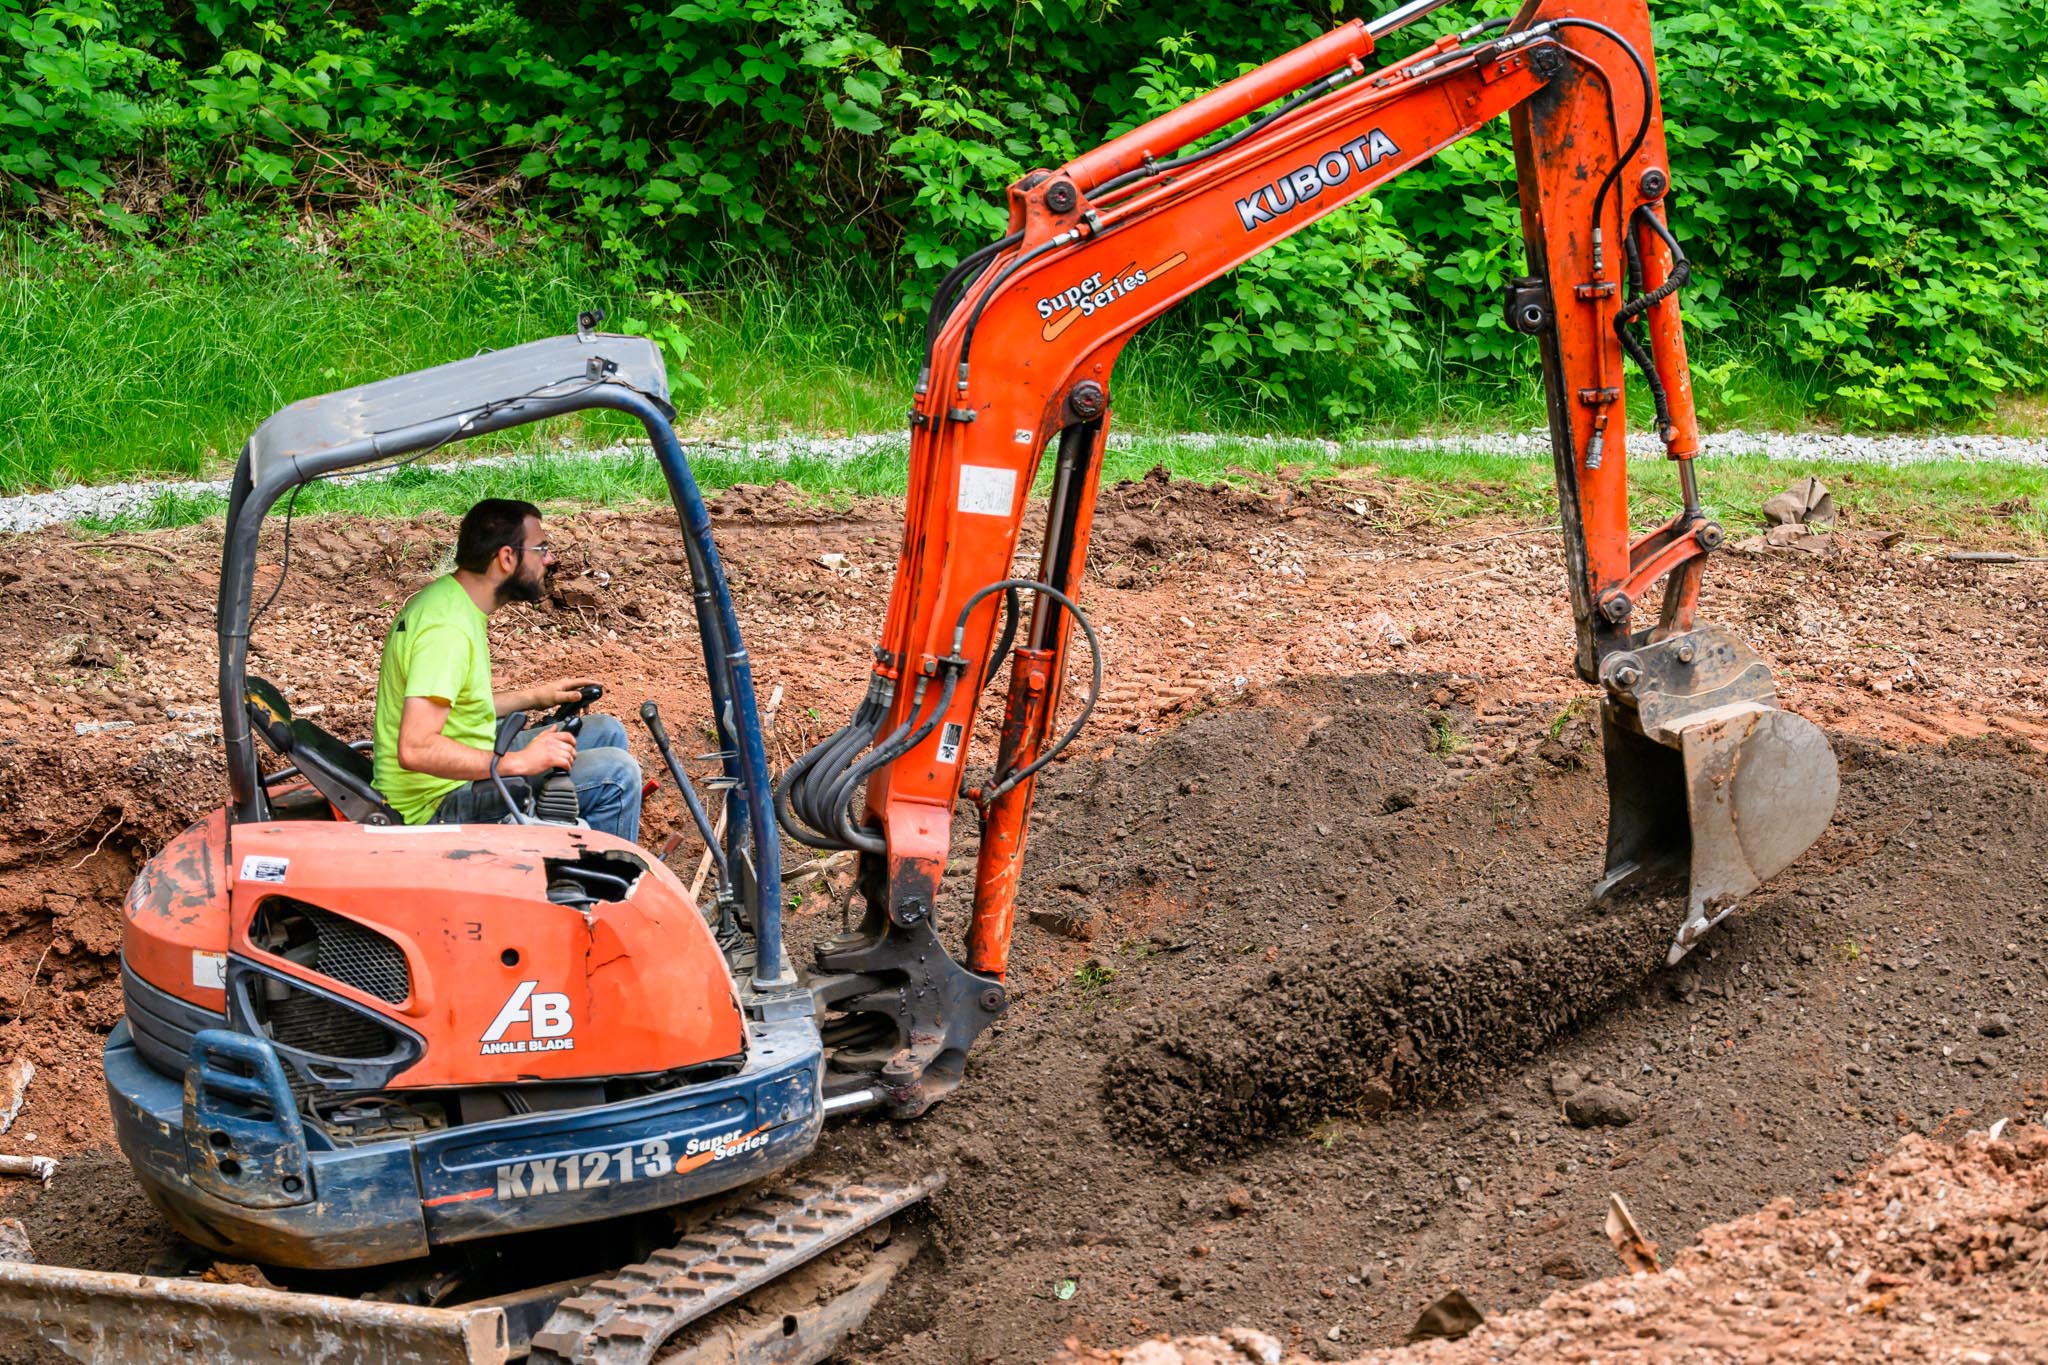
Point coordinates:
pixel 337 771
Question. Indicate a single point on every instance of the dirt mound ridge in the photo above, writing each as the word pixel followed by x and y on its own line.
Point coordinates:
pixel 1434 917
pixel 1369 1034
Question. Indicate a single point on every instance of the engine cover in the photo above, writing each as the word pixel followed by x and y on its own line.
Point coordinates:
pixel 427 956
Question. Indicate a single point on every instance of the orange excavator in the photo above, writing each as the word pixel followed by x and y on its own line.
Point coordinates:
pixel 1705 773
pixel 445 1080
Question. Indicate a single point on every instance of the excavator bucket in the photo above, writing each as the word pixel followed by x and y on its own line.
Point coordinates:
pixel 1706 775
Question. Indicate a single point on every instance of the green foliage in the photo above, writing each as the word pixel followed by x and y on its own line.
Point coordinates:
pixel 1864 182
pixel 1329 302
pixel 1875 174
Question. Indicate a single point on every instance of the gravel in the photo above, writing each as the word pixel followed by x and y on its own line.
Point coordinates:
pixel 105 502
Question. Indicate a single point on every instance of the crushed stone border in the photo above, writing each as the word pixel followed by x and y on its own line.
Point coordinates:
pixel 32 511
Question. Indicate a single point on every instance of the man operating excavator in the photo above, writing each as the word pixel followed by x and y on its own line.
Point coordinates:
pixel 437 709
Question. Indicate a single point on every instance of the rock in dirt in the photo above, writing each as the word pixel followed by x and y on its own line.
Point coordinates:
pixel 14 1079
pixel 1601 1106
pixel 1231 1346
pixel 1997 1026
pixel 1449 1318
pixel 14 1241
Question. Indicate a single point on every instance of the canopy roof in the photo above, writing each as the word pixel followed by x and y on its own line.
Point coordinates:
pixel 493 390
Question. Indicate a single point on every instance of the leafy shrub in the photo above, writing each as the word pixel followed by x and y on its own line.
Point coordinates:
pixel 1866 181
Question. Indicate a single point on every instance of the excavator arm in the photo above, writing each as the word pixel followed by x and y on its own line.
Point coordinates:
pixel 1705 773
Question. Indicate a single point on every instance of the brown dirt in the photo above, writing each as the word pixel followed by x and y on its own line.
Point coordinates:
pixel 1935 1255
pixel 1255 1093
pixel 1328 851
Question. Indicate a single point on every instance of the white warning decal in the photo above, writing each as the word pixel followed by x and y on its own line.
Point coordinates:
pixel 949 741
pixel 987 491
pixel 257 868
pixel 210 970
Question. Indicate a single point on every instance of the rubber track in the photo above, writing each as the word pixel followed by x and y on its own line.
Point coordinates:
pixel 625 1320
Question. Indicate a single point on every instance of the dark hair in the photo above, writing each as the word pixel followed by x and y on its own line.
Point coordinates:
pixel 489 527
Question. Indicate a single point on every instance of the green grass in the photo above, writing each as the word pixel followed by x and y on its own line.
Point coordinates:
pixel 1951 503
pixel 153 361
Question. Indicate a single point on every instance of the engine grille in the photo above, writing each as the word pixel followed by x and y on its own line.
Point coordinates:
pixel 304 1021
pixel 351 953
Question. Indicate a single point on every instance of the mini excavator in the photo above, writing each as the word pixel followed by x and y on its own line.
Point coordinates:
pixel 444 1081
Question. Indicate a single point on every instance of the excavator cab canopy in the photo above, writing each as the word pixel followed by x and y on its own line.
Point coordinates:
pixel 393 421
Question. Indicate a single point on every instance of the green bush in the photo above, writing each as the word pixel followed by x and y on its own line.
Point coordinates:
pixel 1864 181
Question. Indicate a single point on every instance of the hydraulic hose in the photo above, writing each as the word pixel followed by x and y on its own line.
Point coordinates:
pixel 1307 95
pixel 1642 131
pixel 1009 637
pixel 948 291
pixel 811 793
pixel 796 782
pixel 981 303
pixel 1681 271
pixel 901 744
pixel 1014 585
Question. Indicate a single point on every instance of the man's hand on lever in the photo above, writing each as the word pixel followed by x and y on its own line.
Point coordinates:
pixel 535 698
pixel 548 750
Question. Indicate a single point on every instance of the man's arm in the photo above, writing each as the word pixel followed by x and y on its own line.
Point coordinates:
pixel 422 748
pixel 534 698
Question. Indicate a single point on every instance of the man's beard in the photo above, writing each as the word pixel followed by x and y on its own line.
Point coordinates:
pixel 520 588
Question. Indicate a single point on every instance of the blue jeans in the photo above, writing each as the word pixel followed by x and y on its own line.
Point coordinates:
pixel 606 775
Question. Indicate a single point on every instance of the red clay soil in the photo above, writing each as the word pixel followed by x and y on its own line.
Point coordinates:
pixel 1304 982
pixel 1939 1253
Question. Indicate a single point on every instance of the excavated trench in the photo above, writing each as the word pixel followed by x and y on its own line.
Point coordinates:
pixel 1432 933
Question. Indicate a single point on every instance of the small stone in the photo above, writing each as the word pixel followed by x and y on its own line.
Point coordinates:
pixel 1450 1318
pixel 1563 1083
pixel 1257 1345
pixel 1596 1106
pixel 1239 1202
pixel 1996 1026
pixel 14 1243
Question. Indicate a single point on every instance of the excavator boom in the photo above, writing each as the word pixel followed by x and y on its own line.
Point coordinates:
pixel 1706 774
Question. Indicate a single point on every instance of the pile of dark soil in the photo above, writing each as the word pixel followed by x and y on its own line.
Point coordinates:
pixel 1303 817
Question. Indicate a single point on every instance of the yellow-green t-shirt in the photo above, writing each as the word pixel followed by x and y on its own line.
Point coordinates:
pixel 437 648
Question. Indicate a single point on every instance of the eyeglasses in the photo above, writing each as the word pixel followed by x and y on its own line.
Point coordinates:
pixel 544 550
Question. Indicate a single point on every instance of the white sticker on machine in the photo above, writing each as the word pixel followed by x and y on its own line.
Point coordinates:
pixel 949 742
pixel 987 491
pixel 257 868
pixel 210 970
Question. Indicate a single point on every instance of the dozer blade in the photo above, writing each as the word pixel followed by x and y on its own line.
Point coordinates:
pixel 1706 775
pixel 104 1318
